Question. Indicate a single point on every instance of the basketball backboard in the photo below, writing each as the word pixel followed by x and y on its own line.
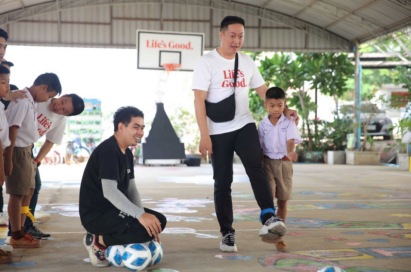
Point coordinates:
pixel 155 48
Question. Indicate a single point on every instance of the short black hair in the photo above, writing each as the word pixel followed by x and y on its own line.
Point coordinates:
pixel 78 104
pixel 51 80
pixel 231 20
pixel 8 63
pixel 275 93
pixel 124 115
pixel 13 87
pixel 4 70
pixel 3 34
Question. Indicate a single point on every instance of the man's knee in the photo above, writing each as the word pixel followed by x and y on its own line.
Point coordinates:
pixel 163 221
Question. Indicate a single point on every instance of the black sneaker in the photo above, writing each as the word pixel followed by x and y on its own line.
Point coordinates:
pixel 227 244
pixel 273 228
pixel 36 233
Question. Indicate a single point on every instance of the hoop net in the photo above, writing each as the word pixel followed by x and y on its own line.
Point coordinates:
pixel 171 66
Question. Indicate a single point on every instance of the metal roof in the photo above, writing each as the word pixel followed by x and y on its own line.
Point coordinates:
pixel 271 25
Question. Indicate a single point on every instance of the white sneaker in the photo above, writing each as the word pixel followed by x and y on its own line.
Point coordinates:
pixel 273 228
pixel 7 241
pixel 227 244
pixel 96 255
pixel 3 221
pixel 6 248
pixel 41 217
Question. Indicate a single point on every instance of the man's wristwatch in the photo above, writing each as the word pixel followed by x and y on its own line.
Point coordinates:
pixel 38 162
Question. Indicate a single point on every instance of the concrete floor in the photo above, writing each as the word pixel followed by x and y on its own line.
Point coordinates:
pixel 354 217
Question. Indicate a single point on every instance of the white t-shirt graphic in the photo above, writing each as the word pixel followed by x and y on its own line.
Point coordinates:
pixel 215 75
pixel 50 123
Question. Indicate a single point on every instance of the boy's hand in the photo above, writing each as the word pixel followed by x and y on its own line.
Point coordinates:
pixel 292 156
pixel 13 96
pixel 8 167
pixel 293 113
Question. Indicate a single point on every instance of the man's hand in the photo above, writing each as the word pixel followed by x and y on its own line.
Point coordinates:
pixel 292 156
pixel 8 167
pixel 206 146
pixel 151 223
pixel 13 96
pixel 293 113
pixel 157 239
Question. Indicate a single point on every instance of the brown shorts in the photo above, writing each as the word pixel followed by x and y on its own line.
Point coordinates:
pixel 23 174
pixel 280 176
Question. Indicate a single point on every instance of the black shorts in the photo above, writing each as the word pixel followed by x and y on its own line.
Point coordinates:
pixel 118 228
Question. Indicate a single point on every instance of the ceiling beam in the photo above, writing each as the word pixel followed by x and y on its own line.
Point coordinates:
pixel 354 11
pixel 304 8
pixel 236 7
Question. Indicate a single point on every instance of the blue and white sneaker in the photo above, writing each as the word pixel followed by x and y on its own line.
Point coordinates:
pixel 273 228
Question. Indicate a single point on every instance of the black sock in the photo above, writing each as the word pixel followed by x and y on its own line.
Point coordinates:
pixel 265 217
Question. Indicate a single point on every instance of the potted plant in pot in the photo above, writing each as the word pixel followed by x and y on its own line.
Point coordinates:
pixel 366 155
pixel 336 135
pixel 403 157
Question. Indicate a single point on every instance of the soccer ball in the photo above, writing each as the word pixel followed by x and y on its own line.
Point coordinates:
pixel 156 249
pixel 331 269
pixel 115 255
pixel 136 257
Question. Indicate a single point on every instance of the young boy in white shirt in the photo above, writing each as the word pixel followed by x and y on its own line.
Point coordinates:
pixel 4 126
pixel 19 164
pixel 278 137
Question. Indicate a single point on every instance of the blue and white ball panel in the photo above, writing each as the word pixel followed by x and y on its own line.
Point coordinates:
pixel 115 255
pixel 331 269
pixel 136 257
pixel 156 249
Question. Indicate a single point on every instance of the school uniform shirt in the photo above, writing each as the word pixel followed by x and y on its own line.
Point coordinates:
pixel 50 124
pixel 4 128
pixel 215 75
pixel 273 139
pixel 106 162
pixel 24 115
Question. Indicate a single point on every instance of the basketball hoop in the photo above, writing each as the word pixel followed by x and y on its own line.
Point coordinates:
pixel 170 66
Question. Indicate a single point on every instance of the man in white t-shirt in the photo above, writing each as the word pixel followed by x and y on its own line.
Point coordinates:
pixel 213 83
pixel 51 123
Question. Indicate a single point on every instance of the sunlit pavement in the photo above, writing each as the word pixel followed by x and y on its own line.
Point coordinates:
pixel 354 217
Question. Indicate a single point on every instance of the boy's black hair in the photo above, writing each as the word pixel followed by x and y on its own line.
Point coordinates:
pixel 13 87
pixel 4 70
pixel 230 20
pixel 78 104
pixel 51 80
pixel 275 93
pixel 124 115
pixel 3 34
pixel 8 63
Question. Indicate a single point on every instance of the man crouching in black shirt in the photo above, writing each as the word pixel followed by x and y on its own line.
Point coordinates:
pixel 110 205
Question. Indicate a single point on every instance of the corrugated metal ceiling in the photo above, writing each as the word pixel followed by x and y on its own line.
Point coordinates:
pixel 272 25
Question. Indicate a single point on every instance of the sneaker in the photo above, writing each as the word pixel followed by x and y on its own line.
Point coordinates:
pixel 273 228
pixel 3 221
pixel 7 241
pixel 281 246
pixel 5 257
pixel 6 248
pixel 26 242
pixel 36 233
pixel 41 217
pixel 227 244
pixel 97 256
